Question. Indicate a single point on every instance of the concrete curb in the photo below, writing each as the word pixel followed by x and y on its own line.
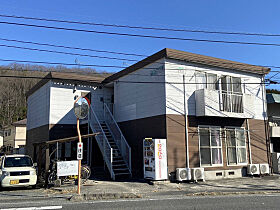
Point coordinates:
pixel 103 196
pixel 233 193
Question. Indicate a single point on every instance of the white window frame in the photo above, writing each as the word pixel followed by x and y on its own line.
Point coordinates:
pixel 210 147
pixel 236 147
pixel 206 84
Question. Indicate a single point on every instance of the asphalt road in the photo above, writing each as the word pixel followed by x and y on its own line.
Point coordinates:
pixel 31 199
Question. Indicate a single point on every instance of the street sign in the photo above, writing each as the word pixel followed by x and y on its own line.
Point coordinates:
pixel 80 151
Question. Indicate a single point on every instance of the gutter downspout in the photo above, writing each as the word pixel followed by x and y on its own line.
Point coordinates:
pixel 265 123
pixel 249 141
pixel 186 125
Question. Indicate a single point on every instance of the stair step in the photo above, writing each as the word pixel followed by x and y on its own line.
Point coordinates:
pixel 120 169
pixel 119 165
pixel 122 173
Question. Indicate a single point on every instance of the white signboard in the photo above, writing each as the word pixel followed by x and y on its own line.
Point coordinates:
pixel 67 168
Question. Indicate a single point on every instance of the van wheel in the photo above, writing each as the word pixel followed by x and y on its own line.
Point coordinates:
pixel 34 186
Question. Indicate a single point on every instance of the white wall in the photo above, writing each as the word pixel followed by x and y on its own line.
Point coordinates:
pixel 175 92
pixel 53 103
pixel 62 101
pixel 135 97
pixel 38 107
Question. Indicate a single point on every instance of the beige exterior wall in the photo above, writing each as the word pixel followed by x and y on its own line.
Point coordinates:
pixel 9 136
pixel 17 136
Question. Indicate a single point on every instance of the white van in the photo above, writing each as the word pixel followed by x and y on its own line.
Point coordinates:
pixel 17 170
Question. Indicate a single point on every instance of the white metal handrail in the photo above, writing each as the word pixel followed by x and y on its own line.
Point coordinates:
pixel 231 102
pixel 118 136
pixel 102 141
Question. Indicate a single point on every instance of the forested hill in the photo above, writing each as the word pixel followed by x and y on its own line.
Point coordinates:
pixel 13 89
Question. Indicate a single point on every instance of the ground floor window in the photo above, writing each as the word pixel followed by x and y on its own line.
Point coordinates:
pixel 210 146
pixel 236 146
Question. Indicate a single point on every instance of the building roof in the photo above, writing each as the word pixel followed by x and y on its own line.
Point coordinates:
pixel 272 98
pixel 20 122
pixel 67 77
pixel 191 58
pixel 165 53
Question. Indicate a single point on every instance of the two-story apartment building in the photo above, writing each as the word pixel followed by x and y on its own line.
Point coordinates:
pixel 210 110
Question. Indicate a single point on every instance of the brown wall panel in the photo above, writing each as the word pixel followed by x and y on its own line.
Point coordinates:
pixel 176 144
pixel 258 141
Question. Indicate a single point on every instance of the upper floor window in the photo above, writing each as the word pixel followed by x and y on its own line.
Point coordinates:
pixel 206 80
pixel 231 99
pixel 231 84
pixel 8 132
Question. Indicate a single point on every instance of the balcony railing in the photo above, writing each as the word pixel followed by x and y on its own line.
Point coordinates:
pixel 231 102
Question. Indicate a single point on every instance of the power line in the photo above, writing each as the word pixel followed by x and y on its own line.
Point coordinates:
pixel 120 53
pixel 71 47
pixel 141 35
pixel 66 53
pixel 141 27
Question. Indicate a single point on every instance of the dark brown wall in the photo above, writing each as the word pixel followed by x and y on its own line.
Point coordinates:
pixel 135 131
pixel 258 141
pixel 36 135
pixel 176 144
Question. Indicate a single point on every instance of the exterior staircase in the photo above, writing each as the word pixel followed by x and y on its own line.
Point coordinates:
pixel 119 166
pixel 112 143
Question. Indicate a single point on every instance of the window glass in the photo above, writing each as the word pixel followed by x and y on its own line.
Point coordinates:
pixel 17 162
pixel 240 137
pixel 205 156
pixel 212 81
pixel 216 156
pixel 241 155
pixel 215 137
pixel 230 138
pixel 204 137
pixel 200 80
pixel 224 83
pixel 231 155
pixel 236 146
pixel 236 84
pixel 210 146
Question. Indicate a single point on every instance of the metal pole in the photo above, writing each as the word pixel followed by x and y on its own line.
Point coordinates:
pixel 186 125
pixel 80 161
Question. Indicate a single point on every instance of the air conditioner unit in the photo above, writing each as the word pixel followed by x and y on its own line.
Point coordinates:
pixel 183 174
pixel 197 174
pixel 253 169
pixel 264 168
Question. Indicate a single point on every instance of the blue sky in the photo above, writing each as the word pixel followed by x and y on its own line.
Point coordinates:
pixel 215 15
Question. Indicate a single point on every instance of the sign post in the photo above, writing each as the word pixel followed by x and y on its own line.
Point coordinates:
pixel 81 108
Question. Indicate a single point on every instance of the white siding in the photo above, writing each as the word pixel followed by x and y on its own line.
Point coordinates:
pixel 62 101
pixel 175 92
pixel 140 94
pixel 38 107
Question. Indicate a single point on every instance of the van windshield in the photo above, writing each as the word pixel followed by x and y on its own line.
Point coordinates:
pixel 17 162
